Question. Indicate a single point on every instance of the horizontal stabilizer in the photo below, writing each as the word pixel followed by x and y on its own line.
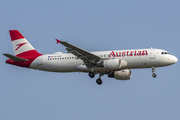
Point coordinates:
pixel 15 58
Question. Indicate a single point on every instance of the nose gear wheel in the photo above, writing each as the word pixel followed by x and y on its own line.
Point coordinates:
pixel 153 71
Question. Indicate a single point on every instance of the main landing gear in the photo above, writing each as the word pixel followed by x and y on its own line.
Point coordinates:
pixel 92 75
pixel 99 81
pixel 153 71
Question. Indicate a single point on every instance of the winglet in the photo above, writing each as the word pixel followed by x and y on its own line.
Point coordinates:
pixel 58 41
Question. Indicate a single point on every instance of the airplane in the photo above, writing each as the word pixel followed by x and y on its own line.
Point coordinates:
pixel 115 63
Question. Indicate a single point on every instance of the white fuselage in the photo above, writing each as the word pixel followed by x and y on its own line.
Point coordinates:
pixel 140 58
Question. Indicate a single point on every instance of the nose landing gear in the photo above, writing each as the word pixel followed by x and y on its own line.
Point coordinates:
pixel 153 71
pixel 154 75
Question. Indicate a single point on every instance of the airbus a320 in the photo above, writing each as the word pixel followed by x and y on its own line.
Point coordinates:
pixel 115 63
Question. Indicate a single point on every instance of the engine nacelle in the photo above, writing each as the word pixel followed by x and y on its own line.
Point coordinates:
pixel 114 64
pixel 121 75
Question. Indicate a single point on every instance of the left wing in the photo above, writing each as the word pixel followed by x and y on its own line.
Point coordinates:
pixel 88 58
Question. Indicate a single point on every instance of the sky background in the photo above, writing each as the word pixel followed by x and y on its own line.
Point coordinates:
pixel 94 25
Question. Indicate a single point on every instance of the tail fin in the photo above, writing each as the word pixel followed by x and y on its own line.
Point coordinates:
pixel 22 48
pixel 25 54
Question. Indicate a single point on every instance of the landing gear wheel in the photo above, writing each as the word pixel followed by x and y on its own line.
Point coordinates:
pixel 91 75
pixel 153 71
pixel 99 81
pixel 154 75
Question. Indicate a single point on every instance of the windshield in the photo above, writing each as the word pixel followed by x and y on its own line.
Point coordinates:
pixel 165 53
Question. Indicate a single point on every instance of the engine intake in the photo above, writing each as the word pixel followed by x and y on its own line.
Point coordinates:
pixel 121 75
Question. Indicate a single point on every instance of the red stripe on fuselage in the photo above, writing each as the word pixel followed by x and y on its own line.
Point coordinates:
pixel 29 55
pixel 15 34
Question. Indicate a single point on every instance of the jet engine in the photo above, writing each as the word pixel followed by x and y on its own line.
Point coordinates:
pixel 114 64
pixel 121 75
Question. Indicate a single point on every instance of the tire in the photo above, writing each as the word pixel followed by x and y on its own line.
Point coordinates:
pixel 99 81
pixel 91 75
pixel 154 75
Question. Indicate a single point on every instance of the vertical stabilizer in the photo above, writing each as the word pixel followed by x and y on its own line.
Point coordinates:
pixel 20 44
pixel 25 54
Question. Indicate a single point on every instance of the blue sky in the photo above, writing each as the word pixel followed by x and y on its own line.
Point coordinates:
pixel 92 25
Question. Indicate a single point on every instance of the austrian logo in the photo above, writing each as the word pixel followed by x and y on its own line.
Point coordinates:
pixel 20 45
pixel 129 53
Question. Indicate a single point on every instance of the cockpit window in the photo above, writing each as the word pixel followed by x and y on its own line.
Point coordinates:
pixel 165 53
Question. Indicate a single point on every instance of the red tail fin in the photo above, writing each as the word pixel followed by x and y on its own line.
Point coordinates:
pixel 22 48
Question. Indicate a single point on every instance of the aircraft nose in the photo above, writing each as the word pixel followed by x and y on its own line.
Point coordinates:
pixel 174 59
